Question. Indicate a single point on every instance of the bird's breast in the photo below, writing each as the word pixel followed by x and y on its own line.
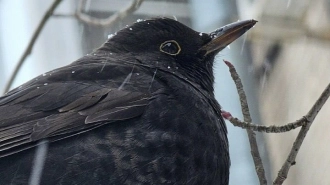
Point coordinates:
pixel 183 135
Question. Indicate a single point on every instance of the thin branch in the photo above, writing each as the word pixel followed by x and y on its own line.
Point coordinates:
pixel 60 15
pixel 306 121
pixel 28 50
pixel 268 129
pixel 135 4
pixel 310 116
pixel 247 118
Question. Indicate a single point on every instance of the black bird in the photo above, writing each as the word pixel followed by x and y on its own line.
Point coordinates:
pixel 138 110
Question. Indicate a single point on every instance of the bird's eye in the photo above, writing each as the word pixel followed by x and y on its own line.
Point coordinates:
pixel 170 47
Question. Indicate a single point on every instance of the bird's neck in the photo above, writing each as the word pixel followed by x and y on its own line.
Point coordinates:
pixel 202 76
pixel 201 80
pixel 205 82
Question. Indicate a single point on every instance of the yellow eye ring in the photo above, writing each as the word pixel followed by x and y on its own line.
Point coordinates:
pixel 170 47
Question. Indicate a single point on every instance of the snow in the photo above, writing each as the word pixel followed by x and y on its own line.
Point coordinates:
pixel 128 77
pixel 110 36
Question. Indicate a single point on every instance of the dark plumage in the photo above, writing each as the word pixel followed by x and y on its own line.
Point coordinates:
pixel 138 110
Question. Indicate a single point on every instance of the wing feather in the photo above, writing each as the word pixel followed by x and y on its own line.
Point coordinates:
pixel 60 110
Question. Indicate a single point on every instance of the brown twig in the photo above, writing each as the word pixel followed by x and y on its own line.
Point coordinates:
pixel 135 4
pixel 60 15
pixel 28 50
pixel 247 118
pixel 310 116
pixel 306 121
pixel 260 128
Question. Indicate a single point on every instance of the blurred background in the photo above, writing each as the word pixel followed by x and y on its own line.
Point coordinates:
pixel 284 63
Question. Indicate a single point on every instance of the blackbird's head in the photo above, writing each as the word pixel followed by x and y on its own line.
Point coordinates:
pixel 169 45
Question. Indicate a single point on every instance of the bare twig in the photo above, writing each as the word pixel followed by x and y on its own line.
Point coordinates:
pixel 310 116
pixel 268 129
pixel 247 118
pixel 28 50
pixel 306 121
pixel 60 15
pixel 135 4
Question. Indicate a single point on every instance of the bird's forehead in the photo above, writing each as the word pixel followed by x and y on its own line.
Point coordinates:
pixel 152 34
pixel 166 29
pixel 162 24
pixel 163 27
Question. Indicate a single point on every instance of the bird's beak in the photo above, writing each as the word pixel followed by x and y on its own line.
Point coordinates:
pixel 225 35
